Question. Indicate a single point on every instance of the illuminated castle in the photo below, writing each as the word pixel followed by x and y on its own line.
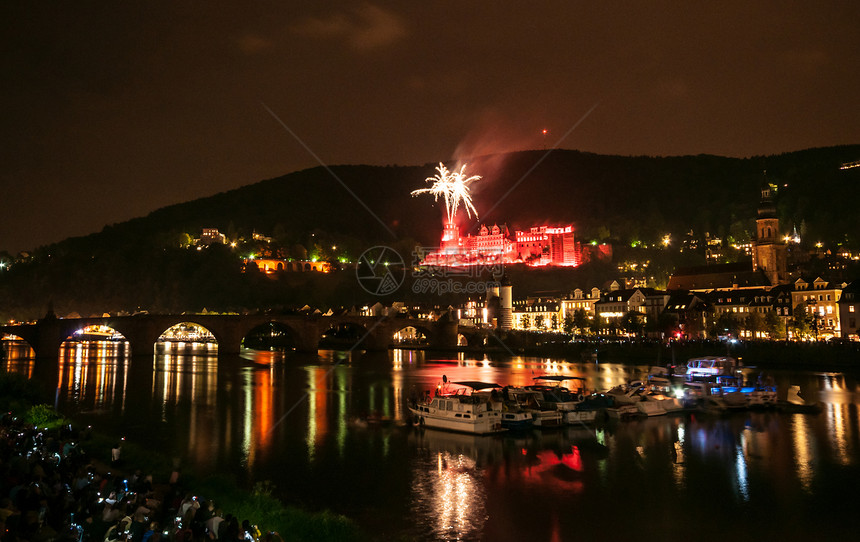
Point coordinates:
pixel 541 245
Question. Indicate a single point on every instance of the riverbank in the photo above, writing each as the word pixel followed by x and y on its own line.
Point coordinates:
pixel 807 356
pixel 81 473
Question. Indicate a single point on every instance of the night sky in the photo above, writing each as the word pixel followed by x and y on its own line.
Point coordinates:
pixel 114 109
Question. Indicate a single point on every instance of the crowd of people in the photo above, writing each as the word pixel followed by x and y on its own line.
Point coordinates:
pixel 51 490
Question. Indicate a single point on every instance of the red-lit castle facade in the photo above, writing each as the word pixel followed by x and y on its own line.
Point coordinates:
pixel 541 245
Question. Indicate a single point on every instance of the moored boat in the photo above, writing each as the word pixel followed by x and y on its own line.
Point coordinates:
pixel 650 407
pixel 571 402
pixel 711 366
pixel 625 394
pixel 456 407
pixel 517 419
pixel 544 414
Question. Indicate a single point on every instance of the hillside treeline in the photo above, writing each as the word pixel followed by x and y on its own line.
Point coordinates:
pixel 336 213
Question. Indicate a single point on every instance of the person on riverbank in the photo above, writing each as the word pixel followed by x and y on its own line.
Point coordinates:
pixel 115 453
pixel 214 523
pixel 50 494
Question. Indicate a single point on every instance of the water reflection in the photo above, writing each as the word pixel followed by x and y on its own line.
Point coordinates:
pixel 448 490
pixel 18 358
pixel 805 456
pixel 316 424
pixel 93 375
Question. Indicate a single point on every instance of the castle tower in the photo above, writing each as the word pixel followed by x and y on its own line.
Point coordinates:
pixel 769 251
pixel 450 239
pixel 506 304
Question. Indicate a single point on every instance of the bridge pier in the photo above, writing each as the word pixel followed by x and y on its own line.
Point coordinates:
pixel 446 333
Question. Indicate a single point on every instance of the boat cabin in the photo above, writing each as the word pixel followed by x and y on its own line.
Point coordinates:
pixel 466 404
pixel 710 366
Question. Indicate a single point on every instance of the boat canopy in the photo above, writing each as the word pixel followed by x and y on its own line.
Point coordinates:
pixel 476 385
pixel 558 378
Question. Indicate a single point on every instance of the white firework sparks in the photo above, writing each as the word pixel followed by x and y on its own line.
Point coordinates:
pixel 454 187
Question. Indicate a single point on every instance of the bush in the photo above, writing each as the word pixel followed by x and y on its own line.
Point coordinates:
pixel 43 416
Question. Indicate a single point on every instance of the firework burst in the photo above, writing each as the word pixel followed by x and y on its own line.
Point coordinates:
pixel 453 186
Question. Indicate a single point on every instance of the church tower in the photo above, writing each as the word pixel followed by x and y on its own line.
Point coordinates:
pixel 769 249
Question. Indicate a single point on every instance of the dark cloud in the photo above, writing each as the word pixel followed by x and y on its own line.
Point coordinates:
pixel 364 28
pixel 109 111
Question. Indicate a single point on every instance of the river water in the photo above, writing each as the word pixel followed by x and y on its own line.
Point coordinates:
pixel 330 431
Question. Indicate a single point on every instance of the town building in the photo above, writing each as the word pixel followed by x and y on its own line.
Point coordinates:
pixel 710 277
pixel 211 235
pixel 614 305
pixel 821 299
pixel 537 314
pixel 580 300
pixel 849 311
pixel 690 311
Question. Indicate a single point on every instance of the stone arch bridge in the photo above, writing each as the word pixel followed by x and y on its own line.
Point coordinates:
pixel 142 331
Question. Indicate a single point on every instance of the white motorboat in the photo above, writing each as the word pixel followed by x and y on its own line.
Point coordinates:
pixel 711 366
pixel 650 407
pixel 713 397
pixel 545 415
pixel 626 394
pixel 623 412
pixel 570 401
pixel 456 408
pixel 763 397
pixel 659 388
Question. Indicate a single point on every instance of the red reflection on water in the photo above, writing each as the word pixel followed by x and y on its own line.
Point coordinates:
pixel 562 471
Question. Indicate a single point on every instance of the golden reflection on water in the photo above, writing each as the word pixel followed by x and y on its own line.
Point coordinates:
pixel 451 497
pixel 88 371
pixel 679 471
pixel 804 452
pixel 839 405
pixel 449 487
pixel 317 405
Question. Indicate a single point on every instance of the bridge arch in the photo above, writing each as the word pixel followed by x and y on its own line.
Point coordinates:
pixel 411 335
pixel 476 339
pixel 186 333
pixel 12 348
pixel 10 342
pixel 94 340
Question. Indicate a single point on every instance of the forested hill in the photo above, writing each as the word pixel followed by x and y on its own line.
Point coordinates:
pixel 145 264
pixel 606 197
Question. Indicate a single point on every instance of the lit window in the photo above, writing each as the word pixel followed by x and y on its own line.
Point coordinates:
pixel 850 308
